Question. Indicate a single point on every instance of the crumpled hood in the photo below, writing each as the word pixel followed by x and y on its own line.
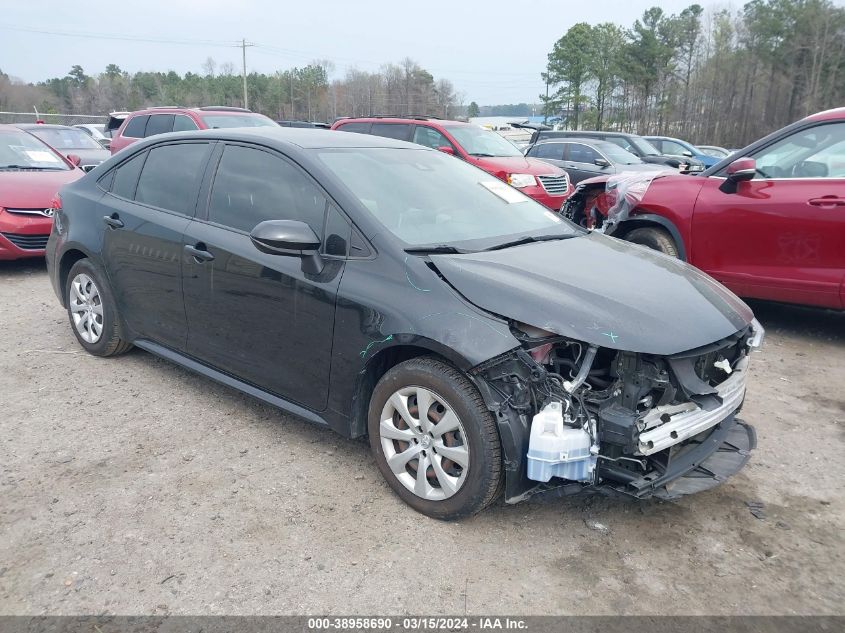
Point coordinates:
pixel 600 290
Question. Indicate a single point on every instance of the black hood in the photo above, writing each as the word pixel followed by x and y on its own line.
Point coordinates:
pixel 600 290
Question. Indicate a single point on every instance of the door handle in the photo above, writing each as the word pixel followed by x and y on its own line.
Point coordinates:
pixel 827 201
pixel 199 253
pixel 113 221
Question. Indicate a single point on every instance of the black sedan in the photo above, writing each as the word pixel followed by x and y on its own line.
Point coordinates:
pixel 386 290
pixel 587 158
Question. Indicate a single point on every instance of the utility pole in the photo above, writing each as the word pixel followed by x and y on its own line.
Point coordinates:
pixel 243 49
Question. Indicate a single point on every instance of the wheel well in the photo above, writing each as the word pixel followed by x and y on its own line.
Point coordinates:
pixel 639 222
pixel 377 367
pixel 68 260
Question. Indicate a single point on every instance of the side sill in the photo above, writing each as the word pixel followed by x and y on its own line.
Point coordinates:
pixel 229 381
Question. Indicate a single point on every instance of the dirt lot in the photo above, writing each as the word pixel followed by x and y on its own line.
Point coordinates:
pixel 131 486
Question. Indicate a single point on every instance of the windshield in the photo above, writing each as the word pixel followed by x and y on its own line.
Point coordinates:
pixel 215 121
pixel 23 151
pixel 618 155
pixel 59 138
pixel 477 141
pixel 645 148
pixel 427 197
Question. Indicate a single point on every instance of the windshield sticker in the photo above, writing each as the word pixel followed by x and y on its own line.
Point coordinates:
pixel 505 192
pixel 40 156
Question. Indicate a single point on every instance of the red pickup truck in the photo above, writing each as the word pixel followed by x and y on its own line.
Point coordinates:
pixel 768 221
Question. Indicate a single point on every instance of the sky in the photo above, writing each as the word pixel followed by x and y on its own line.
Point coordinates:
pixel 492 51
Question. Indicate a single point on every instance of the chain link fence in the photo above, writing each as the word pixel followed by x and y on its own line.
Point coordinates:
pixel 59 119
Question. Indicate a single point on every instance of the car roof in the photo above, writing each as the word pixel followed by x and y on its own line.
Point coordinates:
pixel 577 139
pixel 827 115
pixel 224 110
pixel 305 138
pixel 408 120
pixel 43 126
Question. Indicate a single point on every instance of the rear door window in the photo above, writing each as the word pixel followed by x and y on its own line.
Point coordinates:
pixel 159 124
pixel 399 131
pixel 136 126
pixel 170 176
pixel 553 151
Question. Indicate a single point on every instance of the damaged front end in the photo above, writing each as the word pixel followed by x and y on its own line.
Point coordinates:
pixel 577 416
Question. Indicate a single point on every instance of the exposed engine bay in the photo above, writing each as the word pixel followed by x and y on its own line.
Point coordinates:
pixel 638 423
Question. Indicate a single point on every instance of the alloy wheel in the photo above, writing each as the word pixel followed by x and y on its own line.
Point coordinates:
pixel 86 308
pixel 424 443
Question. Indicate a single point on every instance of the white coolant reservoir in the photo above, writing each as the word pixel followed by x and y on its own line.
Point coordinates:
pixel 557 450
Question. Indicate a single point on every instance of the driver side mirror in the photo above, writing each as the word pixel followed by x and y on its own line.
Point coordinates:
pixel 687 153
pixel 740 170
pixel 601 162
pixel 291 238
pixel 74 159
pixel 446 150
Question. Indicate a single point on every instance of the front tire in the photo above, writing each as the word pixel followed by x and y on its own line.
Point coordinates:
pixel 447 463
pixel 655 239
pixel 92 311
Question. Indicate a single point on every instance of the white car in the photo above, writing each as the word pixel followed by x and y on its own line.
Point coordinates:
pixel 95 131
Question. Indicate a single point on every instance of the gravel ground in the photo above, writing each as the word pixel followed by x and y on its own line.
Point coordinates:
pixel 131 486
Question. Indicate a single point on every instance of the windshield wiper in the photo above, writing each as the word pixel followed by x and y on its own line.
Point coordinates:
pixel 29 167
pixel 528 239
pixel 435 249
pixel 481 154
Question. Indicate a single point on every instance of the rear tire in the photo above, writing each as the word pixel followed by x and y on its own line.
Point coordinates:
pixel 655 239
pixel 92 311
pixel 462 461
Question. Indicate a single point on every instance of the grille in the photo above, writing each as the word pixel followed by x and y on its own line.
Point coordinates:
pixel 41 212
pixel 555 185
pixel 27 242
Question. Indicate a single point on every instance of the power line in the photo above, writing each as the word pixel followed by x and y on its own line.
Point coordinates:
pixel 124 38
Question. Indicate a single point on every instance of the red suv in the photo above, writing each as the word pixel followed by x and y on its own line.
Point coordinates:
pixel 768 222
pixel 161 119
pixel 545 183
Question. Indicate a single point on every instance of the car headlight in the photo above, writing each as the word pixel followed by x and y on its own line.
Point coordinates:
pixel 521 180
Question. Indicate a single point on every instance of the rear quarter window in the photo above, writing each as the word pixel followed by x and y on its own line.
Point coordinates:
pixel 399 131
pixel 360 128
pixel 136 126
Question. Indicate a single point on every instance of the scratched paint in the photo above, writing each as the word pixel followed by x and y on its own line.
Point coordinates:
pixel 410 281
pixel 363 352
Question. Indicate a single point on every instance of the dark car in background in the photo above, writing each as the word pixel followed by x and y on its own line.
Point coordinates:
pixel 164 119
pixel 384 289
pixel 31 173
pixel 632 143
pixel 475 145
pixel 587 158
pixel 70 141
pixel 676 147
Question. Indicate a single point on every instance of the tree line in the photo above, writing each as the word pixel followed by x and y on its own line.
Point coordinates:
pixel 720 77
pixel 304 93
